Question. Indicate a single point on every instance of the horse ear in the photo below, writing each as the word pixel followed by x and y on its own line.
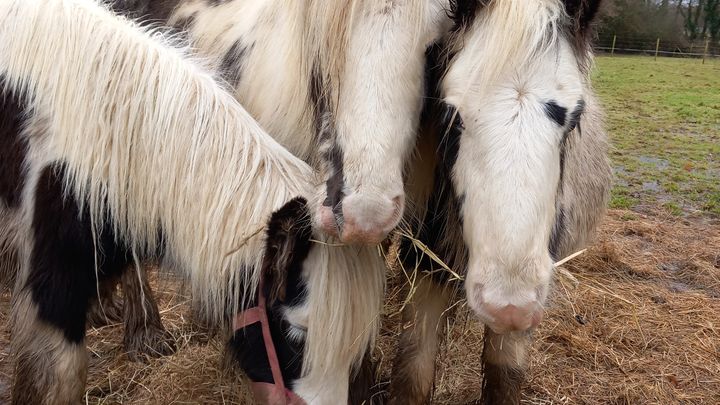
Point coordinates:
pixel 582 13
pixel 286 246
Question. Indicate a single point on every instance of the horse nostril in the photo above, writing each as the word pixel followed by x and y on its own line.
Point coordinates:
pixel 328 221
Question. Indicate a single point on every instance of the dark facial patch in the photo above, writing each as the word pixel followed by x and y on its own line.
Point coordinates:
pixel 451 129
pixel 556 112
pixel 336 182
pixel 12 148
pixel 287 245
pixel 325 138
pixel 62 275
pixel 576 115
pixel 231 65
pixel 573 123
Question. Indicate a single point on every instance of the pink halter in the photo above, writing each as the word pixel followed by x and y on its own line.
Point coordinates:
pixel 267 393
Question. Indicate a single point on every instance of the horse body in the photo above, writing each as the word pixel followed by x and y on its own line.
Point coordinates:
pixel 132 149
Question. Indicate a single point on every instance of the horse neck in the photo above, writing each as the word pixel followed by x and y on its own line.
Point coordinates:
pixel 259 47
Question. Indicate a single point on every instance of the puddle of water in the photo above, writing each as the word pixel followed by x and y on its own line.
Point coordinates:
pixel 660 164
pixel 651 186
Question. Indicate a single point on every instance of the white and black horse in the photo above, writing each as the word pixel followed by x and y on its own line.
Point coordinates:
pixel 521 179
pixel 126 148
pixel 338 83
pixel 502 62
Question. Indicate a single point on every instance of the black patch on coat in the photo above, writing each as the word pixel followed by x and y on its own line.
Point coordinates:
pixel 576 115
pixel 558 231
pixel 232 61
pixel 290 223
pixel 582 13
pixel 463 12
pixel 185 24
pixel 145 11
pixel 13 148
pixel 563 153
pixel 336 182
pixel 288 243
pixel 435 67
pixel 247 348
pixel 363 389
pixel 441 216
pixel 573 123
pixel 579 29
pixel 215 3
pixel 325 139
pixel 442 117
pixel 556 112
pixel 451 129
pixel 62 276
pixel 443 209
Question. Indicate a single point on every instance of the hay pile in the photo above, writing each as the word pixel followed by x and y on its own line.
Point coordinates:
pixel 639 323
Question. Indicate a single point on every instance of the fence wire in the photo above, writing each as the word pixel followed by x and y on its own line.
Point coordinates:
pixel 657 46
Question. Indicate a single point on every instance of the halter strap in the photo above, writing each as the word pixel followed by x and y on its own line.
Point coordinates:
pixel 268 392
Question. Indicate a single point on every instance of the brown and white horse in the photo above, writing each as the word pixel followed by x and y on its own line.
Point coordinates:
pixel 521 179
pixel 128 148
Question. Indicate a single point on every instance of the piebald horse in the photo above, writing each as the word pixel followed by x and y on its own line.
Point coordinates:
pixel 521 179
pixel 270 51
pixel 123 147
pixel 338 83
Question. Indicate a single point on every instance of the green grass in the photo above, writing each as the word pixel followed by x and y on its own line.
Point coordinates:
pixel 663 118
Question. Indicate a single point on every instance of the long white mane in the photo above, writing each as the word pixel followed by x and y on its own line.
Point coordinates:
pixel 149 139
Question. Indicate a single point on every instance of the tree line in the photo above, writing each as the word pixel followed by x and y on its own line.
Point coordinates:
pixel 680 21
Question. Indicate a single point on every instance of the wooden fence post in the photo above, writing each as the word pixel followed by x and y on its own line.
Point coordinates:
pixel 705 53
pixel 657 48
pixel 612 50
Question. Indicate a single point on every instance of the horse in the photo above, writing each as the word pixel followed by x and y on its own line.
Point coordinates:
pixel 242 38
pixel 129 148
pixel 338 83
pixel 513 175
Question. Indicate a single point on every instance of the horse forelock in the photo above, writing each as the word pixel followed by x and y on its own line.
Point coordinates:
pixel 514 33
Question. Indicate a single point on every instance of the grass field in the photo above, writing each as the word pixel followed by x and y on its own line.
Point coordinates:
pixel 636 322
pixel 664 121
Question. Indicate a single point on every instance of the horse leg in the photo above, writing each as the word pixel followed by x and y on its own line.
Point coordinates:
pixel 52 299
pixel 50 359
pixel 414 367
pixel 504 361
pixel 144 331
pixel 107 309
